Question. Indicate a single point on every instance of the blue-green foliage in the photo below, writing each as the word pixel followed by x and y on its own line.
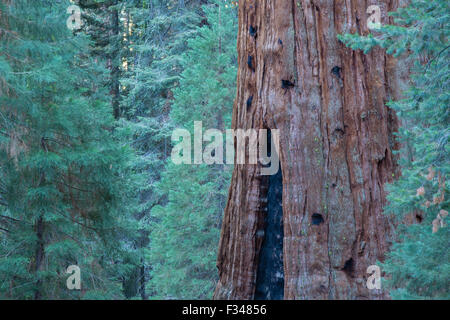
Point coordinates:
pixel 185 231
pixel 418 266
pixel 66 183
pixel 156 39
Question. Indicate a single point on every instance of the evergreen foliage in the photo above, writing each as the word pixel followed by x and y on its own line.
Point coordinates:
pixel 66 179
pixel 185 232
pixel 156 33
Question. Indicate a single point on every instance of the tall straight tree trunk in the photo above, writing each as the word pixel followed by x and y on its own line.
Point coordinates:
pixel 115 61
pixel 336 153
pixel 39 255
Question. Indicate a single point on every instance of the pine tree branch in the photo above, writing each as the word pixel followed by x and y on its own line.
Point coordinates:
pixel 85 4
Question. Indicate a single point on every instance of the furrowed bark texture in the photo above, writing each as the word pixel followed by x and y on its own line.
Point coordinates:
pixel 336 143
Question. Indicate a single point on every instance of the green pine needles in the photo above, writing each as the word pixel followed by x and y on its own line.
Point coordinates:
pixel 185 232
pixel 65 178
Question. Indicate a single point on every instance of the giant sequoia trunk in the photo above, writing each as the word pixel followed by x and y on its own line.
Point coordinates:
pixel 336 143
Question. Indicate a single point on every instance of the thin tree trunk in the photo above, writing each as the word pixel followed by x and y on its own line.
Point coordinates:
pixel 39 255
pixel 142 281
pixel 336 143
pixel 115 60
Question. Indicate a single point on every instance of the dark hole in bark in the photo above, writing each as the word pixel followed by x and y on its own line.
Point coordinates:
pixel 270 275
pixel 252 31
pixel 339 131
pixel 336 71
pixel 249 102
pixel 316 219
pixel 287 84
pixel 349 267
pixel 419 218
pixel 250 63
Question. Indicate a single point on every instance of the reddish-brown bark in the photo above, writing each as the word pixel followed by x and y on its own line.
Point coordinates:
pixel 336 143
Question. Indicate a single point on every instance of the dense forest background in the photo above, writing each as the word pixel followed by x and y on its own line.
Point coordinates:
pixel 86 119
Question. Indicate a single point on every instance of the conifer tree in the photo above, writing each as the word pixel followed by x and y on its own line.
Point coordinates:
pixel 67 185
pixel 102 21
pixel 186 229
pixel 156 34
